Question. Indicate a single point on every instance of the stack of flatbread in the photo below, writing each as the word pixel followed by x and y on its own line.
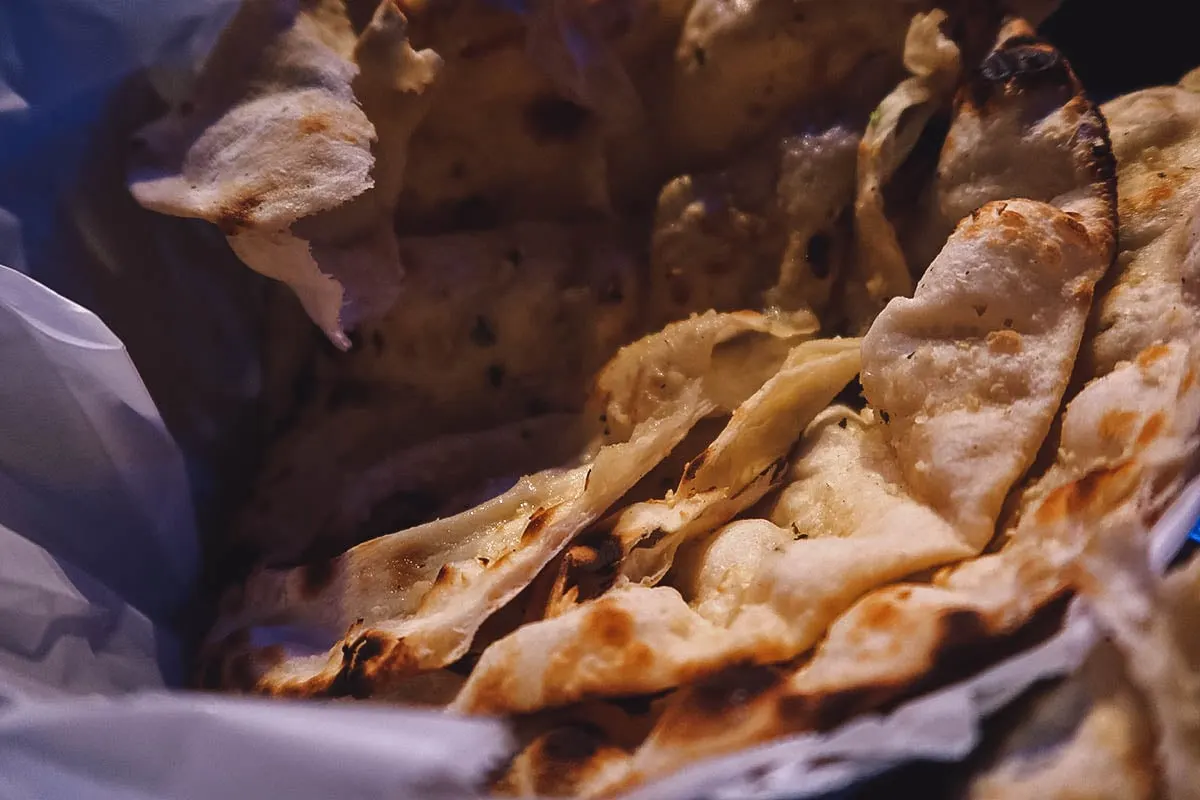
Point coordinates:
pixel 712 372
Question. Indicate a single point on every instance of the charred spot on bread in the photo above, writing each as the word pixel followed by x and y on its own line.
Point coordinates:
pixel 732 687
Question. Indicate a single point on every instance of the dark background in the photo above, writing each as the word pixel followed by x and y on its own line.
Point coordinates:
pixel 1119 47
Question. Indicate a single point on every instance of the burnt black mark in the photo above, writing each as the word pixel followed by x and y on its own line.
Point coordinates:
pixel 237 214
pixel 353 679
pixel 495 375
pixel 885 416
pixel 819 255
pixel 316 577
pixel 482 334
pixel 1025 67
pixel 824 712
pixel 693 466
pixel 724 691
pixel 592 564
pixel 537 523
pixel 1021 62
pixel 966 645
pixel 555 119
pixel 700 56
pixel 1094 128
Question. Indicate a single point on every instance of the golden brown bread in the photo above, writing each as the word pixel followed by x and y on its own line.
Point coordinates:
pixel 414 599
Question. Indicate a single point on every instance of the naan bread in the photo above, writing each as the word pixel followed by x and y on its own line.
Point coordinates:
pixel 494 327
pixel 966 378
pixel 568 751
pixel 273 135
pixel 1088 738
pixel 1022 106
pixel 738 66
pixel 636 639
pixel 1153 622
pixel 769 221
pixel 342 479
pixel 414 599
pixel 880 272
pixel 1155 296
pixel 775 220
pixel 1109 481
pixel 969 372
pixel 758 437
pixel 502 140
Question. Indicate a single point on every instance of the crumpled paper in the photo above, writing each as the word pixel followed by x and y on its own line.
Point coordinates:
pixel 106 470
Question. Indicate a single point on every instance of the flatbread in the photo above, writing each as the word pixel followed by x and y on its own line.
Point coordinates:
pixel 758 437
pixel 540 155
pixel 273 135
pixel 340 479
pixel 744 235
pixel 567 751
pixel 1155 297
pixel 738 66
pixel 1153 622
pixel 965 377
pixel 1088 738
pixel 494 328
pixel 414 599
pixel 635 639
pixel 1109 481
pixel 1022 106
pixel 989 340
pixel 880 271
